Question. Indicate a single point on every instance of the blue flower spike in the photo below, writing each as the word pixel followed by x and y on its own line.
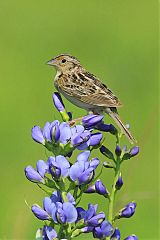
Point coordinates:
pixel 64 180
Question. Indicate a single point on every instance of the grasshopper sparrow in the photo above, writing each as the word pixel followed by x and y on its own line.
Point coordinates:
pixel 85 90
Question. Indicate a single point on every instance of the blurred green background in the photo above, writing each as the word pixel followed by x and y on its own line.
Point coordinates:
pixel 115 40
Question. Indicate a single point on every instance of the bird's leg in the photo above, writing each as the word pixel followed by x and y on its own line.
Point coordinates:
pixel 72 122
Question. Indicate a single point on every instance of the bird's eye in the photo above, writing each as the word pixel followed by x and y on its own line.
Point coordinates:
pixel 63 60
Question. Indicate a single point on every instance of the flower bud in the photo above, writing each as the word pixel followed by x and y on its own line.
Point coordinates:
pixel 60 106
pixel 58 102
pixel 128 210
pixel 91 189
pixel 49 233
pixel 118 151
pixel 116 235
pixel 33 176
pixel 103 231
pixel 40 213
pixel 37 135
pixel 42 167
pixel 105 127
pixel 105 151
pixel 131 237
pixel 96 220
pixel 55 133
pixel 108 165
pixel 100 188
pixel 91 120
pixel 119 183
pixel 95 139
pixel 134 151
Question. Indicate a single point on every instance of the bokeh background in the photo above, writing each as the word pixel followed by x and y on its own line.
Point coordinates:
pixel 117 41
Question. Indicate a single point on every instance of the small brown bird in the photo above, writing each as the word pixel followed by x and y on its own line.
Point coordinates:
pixel 85 90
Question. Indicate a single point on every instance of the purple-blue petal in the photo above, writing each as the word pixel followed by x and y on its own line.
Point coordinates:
pixel 91 120
pixel 77 129
pixel 42 168
pixel 37 135
pixel 84 177
pixel 50 232
pixel 70 198
pixel 116 235
pixel 33 175
pixel 63 165
pixel 46 131
pixel 40 213
pixel 104 230
pixel 95 139
pixel 61 215
pixel 90 212
pixel 70 212
pixel 134 151
pixel 57 100
pixel 100 188
pixel 75 171
pixel 96 220
pixel 55 132
pixel 83 156
pixel 131 237
pixel 65 132
pixel 56 197
pixel 94 163
pixel 48 205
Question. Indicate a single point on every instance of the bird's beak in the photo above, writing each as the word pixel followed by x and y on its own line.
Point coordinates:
pixel 50 62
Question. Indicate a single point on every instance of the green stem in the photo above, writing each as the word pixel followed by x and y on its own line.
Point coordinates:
pixel 112 195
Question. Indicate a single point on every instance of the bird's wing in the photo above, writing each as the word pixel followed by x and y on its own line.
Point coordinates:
pixel 88 89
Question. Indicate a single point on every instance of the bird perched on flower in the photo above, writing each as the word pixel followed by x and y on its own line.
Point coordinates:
pixel 85 90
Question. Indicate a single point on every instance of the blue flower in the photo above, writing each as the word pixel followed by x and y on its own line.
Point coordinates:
pixel 58 166
pixel 40 213
pixel 95 139
pixel 55 208
pixel 90 217
pixel 37 176
pixel 57 100
pixel 119 183
pixel 104 230
pixel 90 121
pixel 82 171
pixel 134 151
pixel 100 188
pixel 106 128
pixel 131 237
pixel 64 213
pixel 48 233
pixel 128 210
pixel 37 135
pixel 116 235
pixel 118 150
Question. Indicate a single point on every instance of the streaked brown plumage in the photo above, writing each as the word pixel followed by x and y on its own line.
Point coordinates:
pixel 85 90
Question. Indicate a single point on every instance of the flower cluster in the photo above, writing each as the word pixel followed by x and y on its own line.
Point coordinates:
pixel 65 182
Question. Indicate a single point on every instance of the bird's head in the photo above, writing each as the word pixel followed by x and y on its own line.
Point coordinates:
pixel 64 62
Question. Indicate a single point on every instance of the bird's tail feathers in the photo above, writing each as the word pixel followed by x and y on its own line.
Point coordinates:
pixel 120 124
